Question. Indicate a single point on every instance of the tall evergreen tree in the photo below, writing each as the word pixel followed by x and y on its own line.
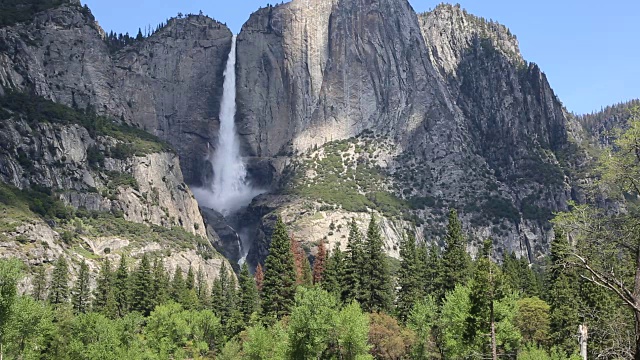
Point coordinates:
pixel 562 296
pixel 519 276
pixel 39 284
pixel 121 288
pixel 433 271
pixel 80 298
pixel 280 275
pixel 408 281
pixel 376 284
pixel 202 289
pixel 178 286
pixel 59 289
pixel 486 290
pixel 455 260
pixel 142 287
pixel 103 294
pixel 334 273
pixel 319 263
pixel 248 302
pixel 218 292
pixel 354 266
pixel 160 284
pixel 190 282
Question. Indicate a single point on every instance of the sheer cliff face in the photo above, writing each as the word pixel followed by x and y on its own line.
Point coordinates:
pixel 169 84
pixel 473 122
pixel 313 72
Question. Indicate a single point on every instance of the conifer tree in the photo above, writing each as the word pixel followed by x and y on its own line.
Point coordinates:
pixel 562 296
pixel 455 260
pixel 259 277
pixel 190 282
pixel 248 303
pixel 39 284
pixel 103 296
pixel 59 289
pixel 142 287
pixel 121 288
pixel 80 298
pixel 409 292
pixel 354 266
pixel 280 275
pixel 178 286
pixel 333 277
pixel 376 284
pixel 160 286
pixel 433 272
pixel 319 263
pixel 486 289
pixel 219 290
pixel 202 289
pixel 232 319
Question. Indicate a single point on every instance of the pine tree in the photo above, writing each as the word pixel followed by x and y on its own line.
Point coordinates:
pixel 248 303
pixel 81 293
pixel 259 277
pixel 218 292
pixel 376 284
pixel 232 316
pixel 39 284
pixel 178 286
pixel 409 292
pixel 121 288
pixel 486 289
pixel 455 260
pixel 334 273
pixel 142 287
pixel 433 271
pixel 103 294
pixel 354 266
pixel 190 282
pixel 160 284
pixel 280 275
pixel 319 263
pixel 202 289
pixel 59 290
pixel 562 296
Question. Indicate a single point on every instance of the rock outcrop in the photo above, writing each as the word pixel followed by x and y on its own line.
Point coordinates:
pixel 169 84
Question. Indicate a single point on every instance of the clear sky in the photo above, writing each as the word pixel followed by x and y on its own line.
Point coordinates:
pixel 589 49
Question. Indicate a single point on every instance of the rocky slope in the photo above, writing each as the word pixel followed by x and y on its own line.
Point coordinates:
pixel 77 185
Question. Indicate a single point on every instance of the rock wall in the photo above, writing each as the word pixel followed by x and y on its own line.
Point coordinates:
pixel 169 84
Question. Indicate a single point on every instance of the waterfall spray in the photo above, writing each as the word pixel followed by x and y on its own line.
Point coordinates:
pixel 229 191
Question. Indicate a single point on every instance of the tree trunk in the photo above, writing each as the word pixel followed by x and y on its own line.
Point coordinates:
pixel 584 335
pixel 494 343
pixel 637 347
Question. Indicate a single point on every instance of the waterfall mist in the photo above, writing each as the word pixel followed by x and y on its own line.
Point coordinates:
pixel 229 190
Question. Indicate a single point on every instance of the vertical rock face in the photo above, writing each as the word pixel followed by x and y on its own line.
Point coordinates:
pixel 173 84
pixel 475 125
pixel 313 72
pixel 168 84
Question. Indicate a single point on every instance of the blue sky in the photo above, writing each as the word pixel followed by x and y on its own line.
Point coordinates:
pixel 589 49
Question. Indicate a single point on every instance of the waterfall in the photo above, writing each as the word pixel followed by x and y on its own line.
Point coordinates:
pixel 229 190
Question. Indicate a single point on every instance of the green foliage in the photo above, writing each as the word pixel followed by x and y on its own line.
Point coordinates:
pixel 141 283
pixel 408 278
pixel 422 320
pixel 80 296
pixel 455 260
pixel 38 200
pixel 280 275
pixel 532 319
pixel 376 285
pixel 266 343
pixel 352 327
pixel 354 266
pixel 334 274
pixel 248 303
pixel 59 288
pixel 10 274
pixel 311 323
